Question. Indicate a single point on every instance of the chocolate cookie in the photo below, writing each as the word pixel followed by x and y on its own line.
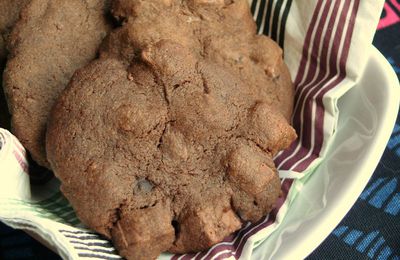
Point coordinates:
pixel 9 13
pixel 51 40
pixel 165 143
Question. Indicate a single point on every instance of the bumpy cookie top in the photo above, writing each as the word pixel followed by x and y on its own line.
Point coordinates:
pixel 164 144
pixel 219 30
pixel 52 39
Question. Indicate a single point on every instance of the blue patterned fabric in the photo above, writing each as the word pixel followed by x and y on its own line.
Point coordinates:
pixel 16 244
pixel 371 230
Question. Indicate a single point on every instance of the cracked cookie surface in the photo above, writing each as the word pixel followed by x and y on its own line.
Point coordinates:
pixel 51 40
pixel 165 143
pixel 220 30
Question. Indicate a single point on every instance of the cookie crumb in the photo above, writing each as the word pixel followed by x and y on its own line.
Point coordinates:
pixel 130 77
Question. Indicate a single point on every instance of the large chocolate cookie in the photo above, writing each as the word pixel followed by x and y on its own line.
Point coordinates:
pixel 166 142
pixel 51 40
pixel 9 13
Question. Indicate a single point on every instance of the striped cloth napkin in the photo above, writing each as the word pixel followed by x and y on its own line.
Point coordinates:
pixel 326 47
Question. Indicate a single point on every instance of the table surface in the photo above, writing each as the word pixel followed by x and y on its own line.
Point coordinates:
pixel 371 229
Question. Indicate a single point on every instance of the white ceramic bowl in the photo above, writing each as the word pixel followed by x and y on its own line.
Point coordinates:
pixel 367 116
